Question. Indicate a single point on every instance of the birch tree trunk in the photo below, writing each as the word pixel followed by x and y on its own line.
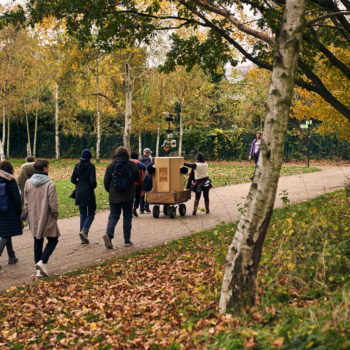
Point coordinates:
pixel 2 141
pixel 140 145
pixel 36 120
pixel 243 257
pixel 98 128
pixel 157 145
pixel 181 129
pixel 8 137
pixel 128 111
pixel 57 136
pixel 29 147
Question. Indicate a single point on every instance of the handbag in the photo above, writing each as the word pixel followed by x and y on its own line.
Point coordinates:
pixel 72 195
pixel 147 183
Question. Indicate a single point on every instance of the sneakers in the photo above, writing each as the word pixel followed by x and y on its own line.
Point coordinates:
pixel 84 238
pixel 147 210
pixel 108 243
pixel 13 260
pixel 142 211
pixel 128 244
pixel 42 267
pixel 134 212
pixel 39 274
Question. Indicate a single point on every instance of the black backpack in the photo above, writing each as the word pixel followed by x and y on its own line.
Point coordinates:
pixel 4 198
pixel 122 176
pixel 147 183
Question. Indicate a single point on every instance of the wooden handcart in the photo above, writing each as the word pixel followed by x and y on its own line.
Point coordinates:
pixel 168 187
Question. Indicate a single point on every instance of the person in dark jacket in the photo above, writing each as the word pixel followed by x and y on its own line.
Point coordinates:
pixel 27 171
pixel 255 150
pixel 10 214
pixel 139 192
pixel 119 201
pixel 146 160
pixel 84 177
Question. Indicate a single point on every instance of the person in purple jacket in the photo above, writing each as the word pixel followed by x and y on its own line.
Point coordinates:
pixel 255 149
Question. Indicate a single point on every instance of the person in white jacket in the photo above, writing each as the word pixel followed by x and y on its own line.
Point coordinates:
pixel 201 180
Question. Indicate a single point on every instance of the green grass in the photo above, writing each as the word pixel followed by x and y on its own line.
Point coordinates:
pixel 167 297
pixel 222 174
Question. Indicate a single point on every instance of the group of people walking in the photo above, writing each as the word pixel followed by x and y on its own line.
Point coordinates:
pixel 34 199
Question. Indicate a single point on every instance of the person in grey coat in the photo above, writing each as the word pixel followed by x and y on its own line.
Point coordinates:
pixel 41 206
pixel 10 211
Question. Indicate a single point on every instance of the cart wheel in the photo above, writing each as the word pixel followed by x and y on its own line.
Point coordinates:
pixel 172 212
pixel 166 209
pixel 182 209
pixel 155 211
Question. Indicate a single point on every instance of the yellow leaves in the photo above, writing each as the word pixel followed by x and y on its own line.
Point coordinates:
pixel 290 266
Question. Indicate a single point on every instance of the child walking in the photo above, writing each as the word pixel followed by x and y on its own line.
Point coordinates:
pixel 40 203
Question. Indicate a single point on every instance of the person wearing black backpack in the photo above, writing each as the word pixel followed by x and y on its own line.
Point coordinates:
pixel 120 178
pixel 84 177
pixel 10 211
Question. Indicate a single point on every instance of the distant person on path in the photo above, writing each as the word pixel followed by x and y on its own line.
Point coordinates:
pixel 201 180
pixel 120 178
pixel 40 202
pixel 139 192
pixel 255 150
pixel 10 211
pixel 84 177
pixel 146 160
pixel 27 170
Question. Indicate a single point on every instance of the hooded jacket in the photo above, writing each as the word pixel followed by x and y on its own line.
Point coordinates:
pixel 40 202
pixel 120 197
pixel 84 177
pixel 10 221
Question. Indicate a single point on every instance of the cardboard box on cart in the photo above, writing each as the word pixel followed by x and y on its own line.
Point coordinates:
pixel 168 182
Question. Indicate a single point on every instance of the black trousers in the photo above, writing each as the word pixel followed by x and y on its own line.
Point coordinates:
pixel 7 242
pixel 39 254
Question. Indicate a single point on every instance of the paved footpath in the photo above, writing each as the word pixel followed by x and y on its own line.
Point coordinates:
pixel 149 232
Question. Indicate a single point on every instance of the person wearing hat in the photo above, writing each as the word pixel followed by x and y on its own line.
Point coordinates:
pixel 84 179
pixel 146 160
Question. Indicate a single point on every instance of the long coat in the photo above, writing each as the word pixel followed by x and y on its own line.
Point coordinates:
pixel 10 221
pixel 26 173
pixel 120 197
pixel 84 177
pixel 40 202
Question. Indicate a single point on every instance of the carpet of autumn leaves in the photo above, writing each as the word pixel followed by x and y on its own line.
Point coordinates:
pixel 167 297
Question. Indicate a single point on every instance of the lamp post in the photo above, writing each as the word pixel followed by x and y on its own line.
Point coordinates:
pixel 307 126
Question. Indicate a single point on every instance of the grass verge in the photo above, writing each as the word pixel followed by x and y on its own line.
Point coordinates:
pixel 167 297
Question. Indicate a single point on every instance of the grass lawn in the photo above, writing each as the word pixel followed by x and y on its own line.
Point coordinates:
pixel 221 173
pixel 167 297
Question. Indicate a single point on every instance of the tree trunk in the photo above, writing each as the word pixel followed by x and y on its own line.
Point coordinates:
pixel 243 257
pixel 36 120
pixel 140 145
pixel 181 129
pixel 157 145
pixel 2 141
pixel 8 137
pixel 57 136
pixel 128 111
pixel 29 147
pixel 98 128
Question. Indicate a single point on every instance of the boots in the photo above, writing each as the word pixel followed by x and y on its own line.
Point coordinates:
pixel 195 206
pixel 207 211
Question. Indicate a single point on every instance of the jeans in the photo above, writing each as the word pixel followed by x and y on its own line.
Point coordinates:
pixel 114 215
pixel 137 197
pixel 143 204
pixel 256 158
pixel 7 242
pixel 87 215
pixel 38 249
